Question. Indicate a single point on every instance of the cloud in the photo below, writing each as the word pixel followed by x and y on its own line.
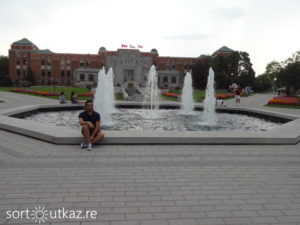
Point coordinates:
pixel 190 37
pixel 232 13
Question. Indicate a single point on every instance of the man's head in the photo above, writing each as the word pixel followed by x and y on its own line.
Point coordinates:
pixel 89 105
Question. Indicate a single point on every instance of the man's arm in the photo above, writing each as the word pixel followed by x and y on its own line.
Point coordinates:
pixel 85 123
pixel 97 128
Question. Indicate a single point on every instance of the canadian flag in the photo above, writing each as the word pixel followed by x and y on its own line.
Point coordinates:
pixel 124 46
pixel 139 46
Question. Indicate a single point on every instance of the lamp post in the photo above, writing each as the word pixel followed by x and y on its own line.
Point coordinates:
pixel 54 82
pixel 274 84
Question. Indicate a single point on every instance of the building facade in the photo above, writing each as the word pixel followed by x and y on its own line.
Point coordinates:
pixel 129 65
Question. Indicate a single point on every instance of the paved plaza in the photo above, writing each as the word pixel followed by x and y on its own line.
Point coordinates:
pixel 151 184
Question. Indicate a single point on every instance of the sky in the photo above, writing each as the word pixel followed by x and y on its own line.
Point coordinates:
pixel 268 30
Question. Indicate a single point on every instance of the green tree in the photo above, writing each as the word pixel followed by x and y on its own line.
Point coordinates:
pixel 262 83
pixel 4 72
pixel 219 67
pixel 246 73
pixel 232 67
pixel 290 77
pixel 200 72
pixel 29 76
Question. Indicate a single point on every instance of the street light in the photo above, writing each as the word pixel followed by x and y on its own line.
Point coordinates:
pixel 54 82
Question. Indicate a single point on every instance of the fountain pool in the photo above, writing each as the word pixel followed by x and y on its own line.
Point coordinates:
pixel 167 120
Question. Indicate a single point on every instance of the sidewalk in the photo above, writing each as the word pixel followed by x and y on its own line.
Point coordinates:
pixel 258 101
pixel 150 185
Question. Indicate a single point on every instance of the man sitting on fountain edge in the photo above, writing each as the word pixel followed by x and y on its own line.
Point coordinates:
pixel 89 120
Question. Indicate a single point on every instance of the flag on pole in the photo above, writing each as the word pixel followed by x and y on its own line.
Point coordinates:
pixel 139 46
pixel 131 46
pixel 124 46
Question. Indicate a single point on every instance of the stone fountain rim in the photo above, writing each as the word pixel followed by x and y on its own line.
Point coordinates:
pixel 288 133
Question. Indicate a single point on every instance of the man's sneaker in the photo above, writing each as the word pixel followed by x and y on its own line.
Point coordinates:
pixel 89 147
pixel 83 145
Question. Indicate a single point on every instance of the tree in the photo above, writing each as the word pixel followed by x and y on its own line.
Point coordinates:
pixel 219 67
pixel 4 72
pixel 200 72
pixel 273 67
pixel 246 74
pixel 295 58
pixel 233 68
pixel 29 76
pixel 262 83
pixel 290 77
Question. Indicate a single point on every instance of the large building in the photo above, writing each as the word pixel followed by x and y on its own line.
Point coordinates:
pixel 130 66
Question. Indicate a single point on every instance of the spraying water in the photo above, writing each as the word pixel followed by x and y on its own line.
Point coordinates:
pixel 104 96
pixel 110 83
pixel 187 100
pixel 210 100
pixel 152 93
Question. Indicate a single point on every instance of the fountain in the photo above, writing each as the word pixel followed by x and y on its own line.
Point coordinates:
pixel 167 118
pixel 187 100
pixel 209 115
pixel 152 93
pixel 104 96
pixel 110 80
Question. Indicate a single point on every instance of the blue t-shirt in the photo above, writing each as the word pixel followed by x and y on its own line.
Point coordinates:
pixel 94 117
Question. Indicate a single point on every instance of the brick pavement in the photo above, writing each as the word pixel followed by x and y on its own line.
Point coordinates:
pixel 152 184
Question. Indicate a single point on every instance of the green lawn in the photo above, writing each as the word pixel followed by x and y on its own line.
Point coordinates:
pixel 198 95
pixel 283 106
pixel 67 91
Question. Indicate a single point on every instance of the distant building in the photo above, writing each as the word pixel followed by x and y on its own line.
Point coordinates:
pixel 224 51
pixel 130 66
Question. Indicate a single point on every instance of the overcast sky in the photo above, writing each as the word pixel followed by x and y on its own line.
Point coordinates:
pixel 268 30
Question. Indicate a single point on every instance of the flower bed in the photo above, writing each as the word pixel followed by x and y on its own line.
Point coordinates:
pixel 284 100
pixel 86 94
pixel 170 94
pixel 43 93
pixel 224 96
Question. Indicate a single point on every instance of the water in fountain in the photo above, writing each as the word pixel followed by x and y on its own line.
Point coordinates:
pixel 152 94
pixel 187 100
pixel 210 100
pixel 110 81
pixel 104 103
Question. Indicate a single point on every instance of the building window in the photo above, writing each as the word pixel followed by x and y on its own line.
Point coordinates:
pixel 49 62
pixel 173 80
pixel 82 77
pixel 43 73
pixel 24 61
pixel 49 73
pixel 165 79
pixel 81 64
pixel 62 62
pixel 62 73
pixel 173 67
pixel 145 78
pixel 68 62
pixel 43 62
pixel 18 61
pixel 68 73
pixel 18 72
pixel 129 75
pixel 91 77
